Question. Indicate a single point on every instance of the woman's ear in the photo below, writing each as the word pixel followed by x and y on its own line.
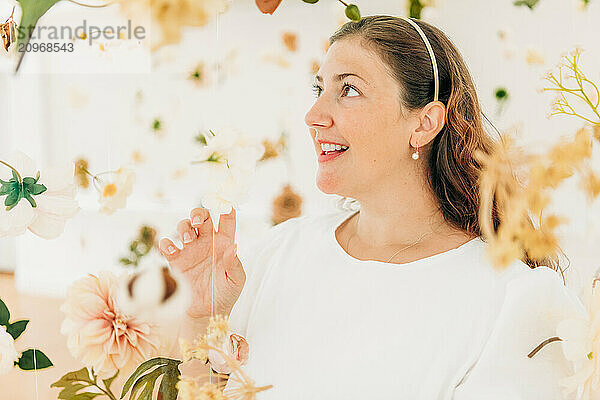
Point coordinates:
pixel 431 121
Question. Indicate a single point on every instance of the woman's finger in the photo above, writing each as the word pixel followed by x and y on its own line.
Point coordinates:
pixel 200 218
pixel 168 249
pixel 187 234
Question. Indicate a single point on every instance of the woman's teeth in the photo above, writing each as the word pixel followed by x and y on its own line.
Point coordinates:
pixel 328 147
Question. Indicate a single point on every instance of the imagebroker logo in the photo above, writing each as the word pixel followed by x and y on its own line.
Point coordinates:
pixel 90 33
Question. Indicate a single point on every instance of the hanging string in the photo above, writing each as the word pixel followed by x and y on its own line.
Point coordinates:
pixel 214 268
pixel 37 395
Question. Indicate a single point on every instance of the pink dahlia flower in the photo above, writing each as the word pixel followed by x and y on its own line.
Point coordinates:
pixel 99 334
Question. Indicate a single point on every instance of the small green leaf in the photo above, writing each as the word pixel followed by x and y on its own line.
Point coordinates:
pixel 28 180
pixel 4 314
pixel 86 396
pixel 13 197
pixel 148 382
pixel 6 188
pixel 109 381
pixel 145 366
pixel 31 12
pixel 168 385
pixel 310 1
pixel 29 199
pixel 16 328
pixel 353 12
pixel 15 176
pixel 528 3
pixel 37 188
pixel 200 138
pixel 26 361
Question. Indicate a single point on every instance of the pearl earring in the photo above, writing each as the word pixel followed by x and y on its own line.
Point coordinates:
pixel 415 155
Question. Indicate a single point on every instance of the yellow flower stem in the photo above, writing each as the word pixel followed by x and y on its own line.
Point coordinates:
pixel 541 345
pixel 91 5
pixel 16 172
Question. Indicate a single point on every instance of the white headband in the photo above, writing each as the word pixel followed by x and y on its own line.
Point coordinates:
pixel 431 55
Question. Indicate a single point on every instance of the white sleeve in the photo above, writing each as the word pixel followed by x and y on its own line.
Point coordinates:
pixel 255 261
pixel 535 302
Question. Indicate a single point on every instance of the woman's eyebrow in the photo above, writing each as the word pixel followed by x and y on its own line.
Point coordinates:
pixel 339 77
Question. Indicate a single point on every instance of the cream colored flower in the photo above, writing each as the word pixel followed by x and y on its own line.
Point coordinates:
pixel 113 188
pixel 98 333
pixel 52 207
pixel 581 344
pixel 8 354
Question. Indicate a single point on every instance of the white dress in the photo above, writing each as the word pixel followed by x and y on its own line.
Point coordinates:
pixel 322 324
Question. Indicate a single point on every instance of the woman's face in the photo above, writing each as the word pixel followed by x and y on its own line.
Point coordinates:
pixel 360 111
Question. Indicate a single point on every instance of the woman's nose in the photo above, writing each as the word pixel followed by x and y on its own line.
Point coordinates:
pixel 317 116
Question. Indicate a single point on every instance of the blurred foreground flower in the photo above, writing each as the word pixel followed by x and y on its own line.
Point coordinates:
pixel 287 205
pixel 173 15
pixel 141 246
pixel 155 294
pixel 8 353
pixel 581 345
pixel 98 333
pixel 227 352
pixel 41 204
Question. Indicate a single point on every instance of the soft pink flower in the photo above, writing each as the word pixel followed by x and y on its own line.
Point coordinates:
pixel 98 333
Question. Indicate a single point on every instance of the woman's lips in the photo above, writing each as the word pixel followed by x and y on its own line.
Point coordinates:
pixel 330 155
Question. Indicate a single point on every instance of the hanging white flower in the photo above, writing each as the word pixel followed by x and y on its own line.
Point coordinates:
pixel 39 201
pixel 228 161
pixel 8 353
pixel 114 188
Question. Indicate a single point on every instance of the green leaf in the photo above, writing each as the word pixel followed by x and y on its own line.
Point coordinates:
pixel 414 9
pixel 4 314
pixel 16 328
pixel 6 188
pixel 85 396
pixel 29 199
pixel 168 389
pixel 109 381
pixel 145 366
pixel 31 11
pixel 15 177
pixel 13 197
pixel 26 362
pixel 37 188
pixel 73 382
pixel 528 3
pixel 148 382
pixel 352 12
pixel 28 180
pixel 310 1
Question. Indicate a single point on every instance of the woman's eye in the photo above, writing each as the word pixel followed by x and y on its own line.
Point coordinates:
pixel 346 86
pixel 316 90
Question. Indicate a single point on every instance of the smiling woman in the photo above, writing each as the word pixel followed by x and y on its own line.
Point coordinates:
pixel 398 299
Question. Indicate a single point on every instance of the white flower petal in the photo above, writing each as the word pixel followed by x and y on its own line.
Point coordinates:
pixel 21 162
pixel 8 353
pixel 15 221
pixel 575 335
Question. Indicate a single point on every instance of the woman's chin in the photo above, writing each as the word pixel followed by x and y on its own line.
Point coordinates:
pixel 328 185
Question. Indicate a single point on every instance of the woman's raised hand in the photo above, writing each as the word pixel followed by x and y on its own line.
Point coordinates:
pixel 195 260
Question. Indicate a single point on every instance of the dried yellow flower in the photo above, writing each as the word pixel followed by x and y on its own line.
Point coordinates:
pixel 290 40
pixel 81 176
pixel 287 205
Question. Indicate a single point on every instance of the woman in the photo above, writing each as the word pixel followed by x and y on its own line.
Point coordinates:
pixel 397 300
